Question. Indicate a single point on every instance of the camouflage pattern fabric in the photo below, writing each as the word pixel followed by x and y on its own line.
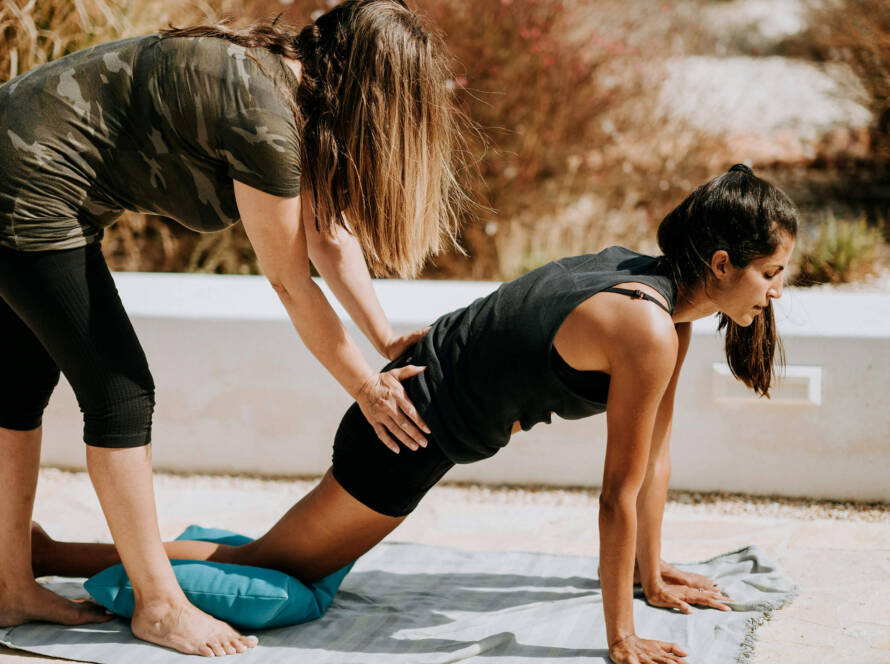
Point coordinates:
pixel 157 125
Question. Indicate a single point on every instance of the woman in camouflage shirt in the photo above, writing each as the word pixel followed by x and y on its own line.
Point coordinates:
pixel 327 143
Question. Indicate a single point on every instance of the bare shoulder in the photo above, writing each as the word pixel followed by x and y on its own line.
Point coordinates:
pixel 644 335
pixel 612 328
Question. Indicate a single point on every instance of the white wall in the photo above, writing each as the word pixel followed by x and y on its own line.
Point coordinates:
pixel 238 392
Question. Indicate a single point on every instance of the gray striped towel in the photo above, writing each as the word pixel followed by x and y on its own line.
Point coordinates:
pixel 412 603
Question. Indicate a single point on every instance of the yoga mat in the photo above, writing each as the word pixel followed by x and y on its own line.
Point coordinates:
pixel 418 604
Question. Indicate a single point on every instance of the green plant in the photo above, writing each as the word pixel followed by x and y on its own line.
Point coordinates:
pixel 839 251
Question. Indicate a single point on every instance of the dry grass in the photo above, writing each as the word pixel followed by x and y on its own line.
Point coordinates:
pixel 569 161
pixel 857 33
pixel 573 151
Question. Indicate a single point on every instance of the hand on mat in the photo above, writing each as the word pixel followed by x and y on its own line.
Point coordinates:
pixel 386 406
pixel 634 650
pixel 673 575
pixel 673 596
pixel 400 343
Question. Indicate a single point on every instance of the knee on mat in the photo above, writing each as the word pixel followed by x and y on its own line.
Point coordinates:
pixel 124 423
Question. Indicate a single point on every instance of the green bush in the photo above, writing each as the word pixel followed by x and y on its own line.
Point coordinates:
pixel 838 252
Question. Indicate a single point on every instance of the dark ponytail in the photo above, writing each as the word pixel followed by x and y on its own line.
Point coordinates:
pixel 746 217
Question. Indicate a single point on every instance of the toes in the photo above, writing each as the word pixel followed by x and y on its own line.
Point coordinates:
pixel 250 641
pixel 217 649
pixel 205 651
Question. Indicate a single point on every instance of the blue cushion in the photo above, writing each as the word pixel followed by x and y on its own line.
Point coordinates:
pixel 249 597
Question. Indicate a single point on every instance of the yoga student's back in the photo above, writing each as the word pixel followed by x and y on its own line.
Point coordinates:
pixel 489 364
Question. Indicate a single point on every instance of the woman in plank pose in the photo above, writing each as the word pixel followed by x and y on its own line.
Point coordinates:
pixel 326 142
pixel 579 336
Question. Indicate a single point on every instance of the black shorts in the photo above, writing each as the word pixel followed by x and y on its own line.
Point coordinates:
pixel 387 482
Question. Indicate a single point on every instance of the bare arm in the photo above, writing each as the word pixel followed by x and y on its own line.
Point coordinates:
pixel 653 492
pixel 338 258
pixel 663 584
pixel 641 363
pixel 275 228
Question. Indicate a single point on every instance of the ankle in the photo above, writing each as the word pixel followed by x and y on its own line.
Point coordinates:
pixel 158 606
pixel 13 585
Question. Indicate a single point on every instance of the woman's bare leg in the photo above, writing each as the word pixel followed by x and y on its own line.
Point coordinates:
pixel 22 599
pixel 162 615
pixel 324 531
pixel 327 529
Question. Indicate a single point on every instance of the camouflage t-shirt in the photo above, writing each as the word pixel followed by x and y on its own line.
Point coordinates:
pixel 147 124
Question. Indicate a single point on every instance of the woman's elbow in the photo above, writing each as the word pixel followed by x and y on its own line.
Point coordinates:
pixel 288 289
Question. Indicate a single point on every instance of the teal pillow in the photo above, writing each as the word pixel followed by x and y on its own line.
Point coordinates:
pixel 248 597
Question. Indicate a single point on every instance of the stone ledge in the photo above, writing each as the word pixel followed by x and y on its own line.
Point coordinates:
pixel 238 392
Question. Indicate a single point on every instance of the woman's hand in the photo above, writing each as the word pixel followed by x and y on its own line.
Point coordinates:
pixel 673 575
pixel 398 344
pixel 680 597
pixel 634 650
pixel 386 406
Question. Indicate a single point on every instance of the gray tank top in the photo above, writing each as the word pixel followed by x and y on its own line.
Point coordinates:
pixel 491 364
pixel 157 125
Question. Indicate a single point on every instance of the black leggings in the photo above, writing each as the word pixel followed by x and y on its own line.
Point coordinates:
pixel 61 310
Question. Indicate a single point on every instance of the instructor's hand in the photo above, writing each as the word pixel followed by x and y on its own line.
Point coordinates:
pixel 402 342
pixel 388 409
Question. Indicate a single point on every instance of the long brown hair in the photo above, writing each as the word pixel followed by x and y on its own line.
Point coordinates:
pixel 745 216
pixel 382 150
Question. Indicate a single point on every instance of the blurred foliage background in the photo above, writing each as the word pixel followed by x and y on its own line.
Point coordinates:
pixel 594 119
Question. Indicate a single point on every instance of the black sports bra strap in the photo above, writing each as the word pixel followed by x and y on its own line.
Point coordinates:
pixel 636 294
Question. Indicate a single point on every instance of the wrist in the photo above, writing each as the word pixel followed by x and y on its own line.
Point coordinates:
pixel 652 585
pixel 361 386
pixel 619 639
pixel 382 345
pixel 648 575
pixel 385 338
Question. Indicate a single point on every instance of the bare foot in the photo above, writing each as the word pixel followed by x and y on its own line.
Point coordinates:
pixel 34 602
pixel 189 630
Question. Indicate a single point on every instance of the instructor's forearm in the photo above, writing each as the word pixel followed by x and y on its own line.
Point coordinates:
pixel 324 334
pixel 340 262
pixel 617 528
